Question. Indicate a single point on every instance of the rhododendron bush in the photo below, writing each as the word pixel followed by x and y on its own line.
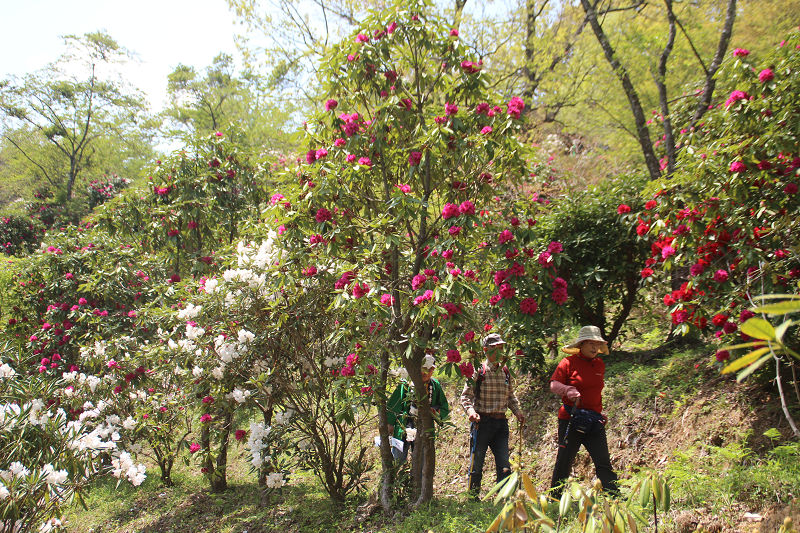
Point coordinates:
pixel 197 201
pixel 49 456
pixel 729 215
pixel 572 257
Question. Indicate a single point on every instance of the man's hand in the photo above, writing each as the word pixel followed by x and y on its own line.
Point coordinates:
pixel 521 419
pixel 473 416
pixel 572 393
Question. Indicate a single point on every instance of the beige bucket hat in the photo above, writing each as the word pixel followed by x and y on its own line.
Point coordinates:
pixel 587 333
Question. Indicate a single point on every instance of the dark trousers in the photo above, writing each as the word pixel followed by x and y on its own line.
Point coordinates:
pixel 488 433
pixel 596 444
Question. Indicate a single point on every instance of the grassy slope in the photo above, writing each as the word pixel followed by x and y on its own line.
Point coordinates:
pixel 675 414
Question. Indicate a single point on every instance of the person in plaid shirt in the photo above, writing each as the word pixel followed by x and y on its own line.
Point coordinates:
pixel 485 400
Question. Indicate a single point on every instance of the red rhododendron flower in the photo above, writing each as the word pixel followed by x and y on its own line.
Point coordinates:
pixel 414 158
pixel 240 434
pixel 696 269
pixel 790 188
pixel 323 215
pixel 453 356
pixel 417 281
pixel 623 208
pixel 331 104
pixel 194 447
pixel 467 370
pixel 745 315
pixel 505 236
pixel 719 319
pixel 450 109
pixel 205 418
pixel 454 230
pixel 646 272
pixel 723 355
pixel 555 247
pixel 721 276
pixel 507 291
pixel 486 130
pixel 450 211
pixel 650 204
pixel 387 299
pixel 453 32
pixel 365 161
pixel 738 166
pixel 740 52
pixel 765 75
pixel 424 297
pixel 469 336
pixel 467 208
pixel 528 306
pixel 515 106
pixel 310 271
pixel 735 97
pixel 360 290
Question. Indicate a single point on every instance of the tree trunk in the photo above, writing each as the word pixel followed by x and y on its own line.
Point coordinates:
pixel 642 132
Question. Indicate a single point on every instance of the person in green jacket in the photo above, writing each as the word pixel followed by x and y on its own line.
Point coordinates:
pixel 402 409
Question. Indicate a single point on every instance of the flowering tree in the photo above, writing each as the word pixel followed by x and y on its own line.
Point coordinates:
pixel 408 148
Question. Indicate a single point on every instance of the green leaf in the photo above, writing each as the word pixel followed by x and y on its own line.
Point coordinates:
pixel 752 368
pixel 780 308
pixel 644 494
pixel 759 328
pixel 745 360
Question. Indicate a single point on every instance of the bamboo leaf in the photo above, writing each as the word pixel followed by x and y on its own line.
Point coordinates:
pixel 759 328
pixel 563 505
pixel 744 360
pixel 529 488
pixel 780 308
pixel 752 368
pixel 644 494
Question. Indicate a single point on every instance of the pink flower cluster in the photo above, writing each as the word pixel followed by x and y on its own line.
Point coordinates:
pixel 345 280
pixel 428 295
pixel 735 97
pixel 559 295
pixel 515 106
pixel 453 356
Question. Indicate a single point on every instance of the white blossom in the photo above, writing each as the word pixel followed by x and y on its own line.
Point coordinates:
pixel 190 311
pixel 211 285
pixel 275 480
pixel 53 476
pixel 197 371
pixel 6 371
pixel 217 373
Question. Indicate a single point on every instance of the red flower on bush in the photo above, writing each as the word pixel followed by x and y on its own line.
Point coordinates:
pixel 738 166
pixel 623 208
pixel 766 75
pixel 721 276
pixel 453 356
pixel 450 211
pixel 528 306
pixel 723 355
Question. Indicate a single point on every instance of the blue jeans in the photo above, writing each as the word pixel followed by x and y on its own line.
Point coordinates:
pixel 488 433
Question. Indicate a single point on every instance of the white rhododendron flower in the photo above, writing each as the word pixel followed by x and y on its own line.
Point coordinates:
pixel 275 480
pixel 191 311
pixel 6 371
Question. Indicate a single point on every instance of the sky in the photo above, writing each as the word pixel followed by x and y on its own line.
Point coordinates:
pixel 161 33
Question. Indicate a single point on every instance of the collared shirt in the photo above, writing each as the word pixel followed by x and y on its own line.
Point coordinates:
pixel 496 395
pixel 586 375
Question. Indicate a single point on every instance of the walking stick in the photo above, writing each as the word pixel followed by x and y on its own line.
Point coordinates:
pixel 473 440
pixel 563 443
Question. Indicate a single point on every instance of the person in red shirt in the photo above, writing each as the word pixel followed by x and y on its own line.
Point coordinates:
pixel 579 380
